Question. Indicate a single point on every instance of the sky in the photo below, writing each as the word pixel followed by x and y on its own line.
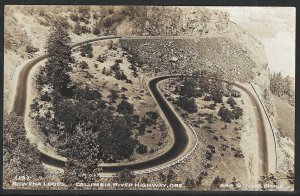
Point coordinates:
pixel 274 27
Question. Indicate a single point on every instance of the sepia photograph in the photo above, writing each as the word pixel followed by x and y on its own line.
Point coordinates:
pixel 126 97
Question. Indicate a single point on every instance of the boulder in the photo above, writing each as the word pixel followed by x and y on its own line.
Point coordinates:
pixel 174 59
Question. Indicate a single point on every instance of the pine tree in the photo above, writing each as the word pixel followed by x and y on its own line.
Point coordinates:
pixel 59 60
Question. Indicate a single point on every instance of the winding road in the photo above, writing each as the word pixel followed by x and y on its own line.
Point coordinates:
pixel 183 135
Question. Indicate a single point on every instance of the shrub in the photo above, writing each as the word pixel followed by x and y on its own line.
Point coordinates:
pixel 31 49
pixel 238 154
pixel 207 98
pixel 113 96
pixel 142 128
pixel 115 67
pixel 187 104
pixel 237 112
pixel 142 149
pixel 208 155
pixel 125 107
pixel 104 71
pixel 101 58
pixel 74 17
pixel 119 75
pixel 86 50
pixel 212 106
pixel 231 102
pixel 119 61
pixel 226 115
pixel 20 157
pixel 46 97
pixel 209 118
pixel 217 97
pixel 77 29
pixel 96 31
pixel 83 65
pixel 235 93
pixel 217 182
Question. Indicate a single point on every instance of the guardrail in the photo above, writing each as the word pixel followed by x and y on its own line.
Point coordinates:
pixel 274 138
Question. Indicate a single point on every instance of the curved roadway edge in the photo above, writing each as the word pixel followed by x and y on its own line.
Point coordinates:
pixel 267 144
pixel 272 142
pixel 19 108
pixel 19 105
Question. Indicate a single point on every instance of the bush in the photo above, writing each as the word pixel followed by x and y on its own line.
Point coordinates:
pixel 142 128
pixel 46 97
pixel 235 93
pixel 20 157
pixel 115 67
pixel 78 29
pixel 101 58
pixel 187 104
pixel 207 98
pixel 119 61
pixel 31 49
pixel 113 96
pixel 142 149
pixel 231 102
pixel 208 155
pixel 217 97
pixel 74 17
pixel 217 182
pixel 125 107
pixel 86 50
pixel 237 112
pixel 238 154
pixel 119 75
pixel 209 118
pixel 226 115
pixel 96 31
pixel 83 65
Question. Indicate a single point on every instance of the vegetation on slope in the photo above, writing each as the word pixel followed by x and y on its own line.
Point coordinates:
pixel 20 157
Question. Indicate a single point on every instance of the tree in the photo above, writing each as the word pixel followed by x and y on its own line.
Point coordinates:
pixel 116 143
pixel 113 96
pixel 142 149
pixel 217 182
pixel 83 65
pixel 150 117
pixel 125 107
pixel 59 59
pixel 226 115
pixel 77 29
pixel 20 157
pixel 216 88
pixel 237 112
pixel 188 87
pixel 231 102
pixel 86 50
pixel 96 31
pixel 187 104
